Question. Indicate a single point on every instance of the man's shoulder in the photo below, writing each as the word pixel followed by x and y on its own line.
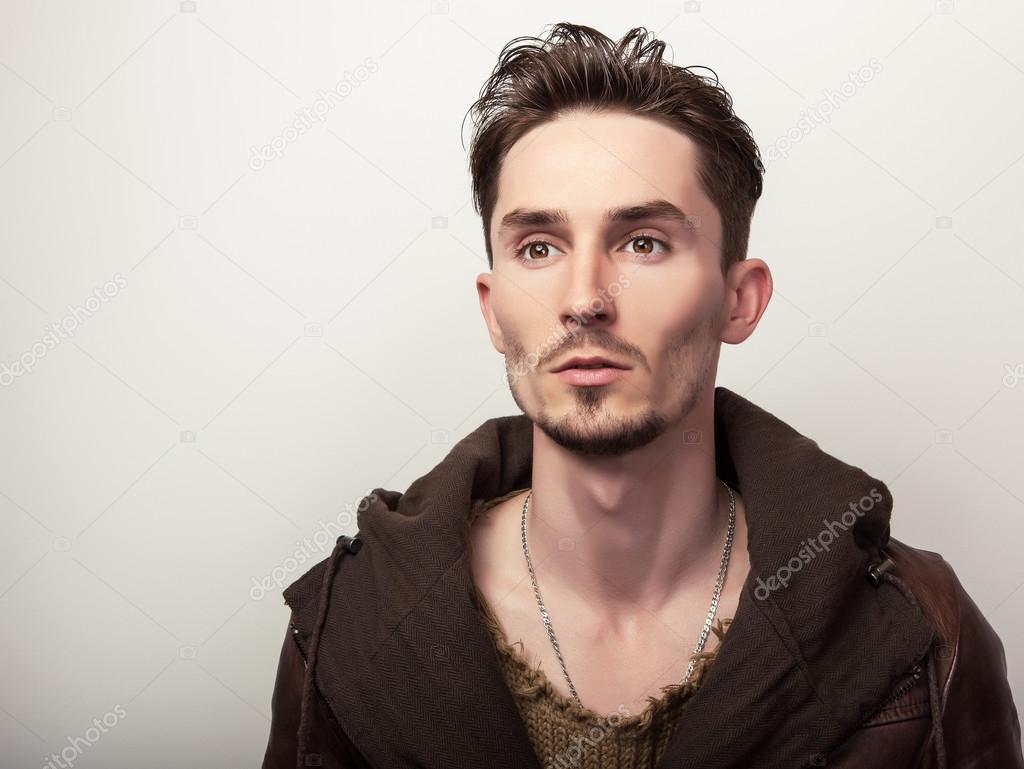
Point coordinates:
pixel 933 582
pixel 964 691
pixel 969 655
pixel 944 602
pixel 306 588
pixel 305 595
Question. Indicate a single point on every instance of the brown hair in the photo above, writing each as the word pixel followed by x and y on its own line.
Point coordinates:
pixel 577 67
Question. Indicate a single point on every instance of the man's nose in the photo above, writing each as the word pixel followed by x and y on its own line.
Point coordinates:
pixel 588 298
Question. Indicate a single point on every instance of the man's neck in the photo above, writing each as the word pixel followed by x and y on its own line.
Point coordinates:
pixel 629 532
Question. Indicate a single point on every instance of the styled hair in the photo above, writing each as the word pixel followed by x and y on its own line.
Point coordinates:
pixel 578 68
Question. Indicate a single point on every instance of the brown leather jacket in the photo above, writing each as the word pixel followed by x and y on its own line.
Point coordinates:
pixel 895 668
pixel 955 709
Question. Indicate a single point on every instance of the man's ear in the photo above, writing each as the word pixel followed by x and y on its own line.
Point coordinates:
pixel 749 288
pixel 483 290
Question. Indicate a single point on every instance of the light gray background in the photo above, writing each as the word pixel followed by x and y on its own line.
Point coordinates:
pixel 289 337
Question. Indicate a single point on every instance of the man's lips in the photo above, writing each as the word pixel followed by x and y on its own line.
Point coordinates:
pixel 586 362
pixel 591 377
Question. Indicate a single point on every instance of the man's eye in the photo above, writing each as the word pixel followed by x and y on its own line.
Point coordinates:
pixel 648 245
pixel 535 251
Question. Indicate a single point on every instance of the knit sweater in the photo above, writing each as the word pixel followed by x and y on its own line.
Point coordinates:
pixel 563 734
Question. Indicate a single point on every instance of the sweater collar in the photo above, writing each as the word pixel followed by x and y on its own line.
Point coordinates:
pixel 410 672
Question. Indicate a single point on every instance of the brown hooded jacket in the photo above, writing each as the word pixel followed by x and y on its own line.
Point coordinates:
pixel 871 654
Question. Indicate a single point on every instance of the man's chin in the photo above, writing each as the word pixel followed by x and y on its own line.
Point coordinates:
pixel 603 436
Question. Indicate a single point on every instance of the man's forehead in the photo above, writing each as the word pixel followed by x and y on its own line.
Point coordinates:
pixel 614 146
pixel 598 166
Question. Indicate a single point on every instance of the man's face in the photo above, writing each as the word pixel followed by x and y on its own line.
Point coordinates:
pixel 646 293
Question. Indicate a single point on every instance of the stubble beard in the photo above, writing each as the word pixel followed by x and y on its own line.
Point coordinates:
pixel 591 429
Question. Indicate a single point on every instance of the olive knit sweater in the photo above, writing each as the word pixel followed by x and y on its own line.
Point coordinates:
pixel 564 735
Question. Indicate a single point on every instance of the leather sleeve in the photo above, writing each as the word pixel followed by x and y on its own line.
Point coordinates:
pixel 327 740
pixel 980 721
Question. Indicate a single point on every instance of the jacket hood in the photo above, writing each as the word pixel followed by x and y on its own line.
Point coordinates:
pixel 398 651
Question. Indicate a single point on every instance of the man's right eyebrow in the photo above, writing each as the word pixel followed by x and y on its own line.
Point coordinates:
pixel 532 217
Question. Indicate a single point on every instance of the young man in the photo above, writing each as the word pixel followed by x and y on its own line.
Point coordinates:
pixel 688 581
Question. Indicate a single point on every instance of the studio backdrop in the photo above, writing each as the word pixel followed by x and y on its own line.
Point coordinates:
pixel 237 262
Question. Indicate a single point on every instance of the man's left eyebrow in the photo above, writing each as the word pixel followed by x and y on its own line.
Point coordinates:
pixel 653 209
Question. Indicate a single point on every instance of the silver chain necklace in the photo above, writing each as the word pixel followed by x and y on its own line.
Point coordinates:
pixel 712 610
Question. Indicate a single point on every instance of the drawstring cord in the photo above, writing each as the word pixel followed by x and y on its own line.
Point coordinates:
pixel 933 695
pixel 877 574
pixel 344 543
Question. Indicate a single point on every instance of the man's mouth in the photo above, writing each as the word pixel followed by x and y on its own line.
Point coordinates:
pixel 590 371
pixel 586 362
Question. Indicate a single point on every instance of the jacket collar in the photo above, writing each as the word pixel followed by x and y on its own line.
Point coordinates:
pixel 409 671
